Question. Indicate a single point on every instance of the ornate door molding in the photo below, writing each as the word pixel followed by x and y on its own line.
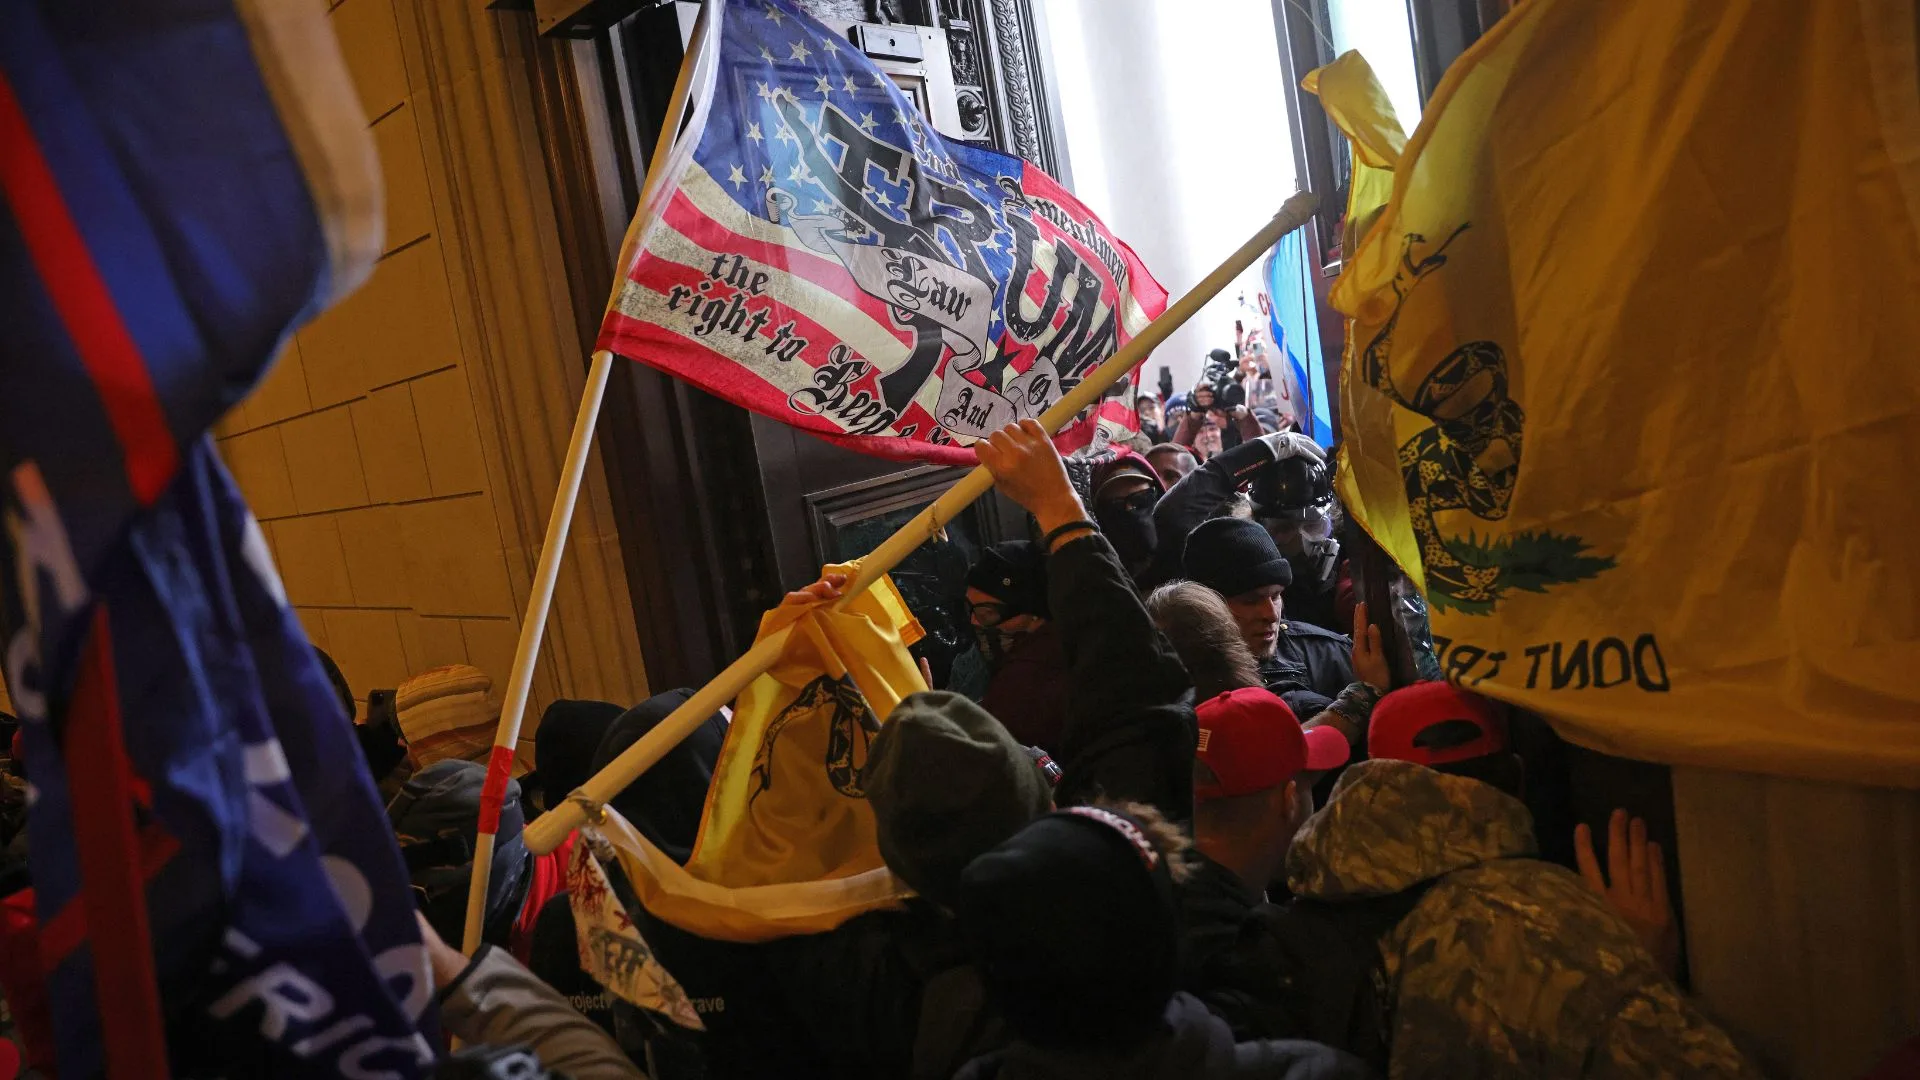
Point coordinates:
pixel 999 62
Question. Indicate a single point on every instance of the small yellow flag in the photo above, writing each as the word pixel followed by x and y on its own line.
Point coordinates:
pixel 787 844
pixel 788 801
pixel 1631 387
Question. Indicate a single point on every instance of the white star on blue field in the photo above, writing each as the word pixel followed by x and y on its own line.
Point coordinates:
pixel 786 88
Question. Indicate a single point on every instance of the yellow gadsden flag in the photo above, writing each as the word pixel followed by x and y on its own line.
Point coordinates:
pixel 1632 386
pixel 787 844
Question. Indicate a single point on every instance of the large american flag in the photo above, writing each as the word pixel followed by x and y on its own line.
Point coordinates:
pixel 822 256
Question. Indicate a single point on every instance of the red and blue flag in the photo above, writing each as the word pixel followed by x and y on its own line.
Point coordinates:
pixel 821 255
pixel 181 183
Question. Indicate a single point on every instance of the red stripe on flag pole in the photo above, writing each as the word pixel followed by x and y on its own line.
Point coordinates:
pixel 100 783
pixel 493 794
pixel 85 305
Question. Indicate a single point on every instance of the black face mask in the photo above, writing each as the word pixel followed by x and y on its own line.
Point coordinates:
pixel 1128 526
pixel 994 644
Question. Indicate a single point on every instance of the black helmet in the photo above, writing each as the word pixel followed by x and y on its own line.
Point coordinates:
pixel 1292 488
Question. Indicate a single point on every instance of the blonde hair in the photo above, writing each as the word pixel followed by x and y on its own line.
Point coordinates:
pixel 1204 635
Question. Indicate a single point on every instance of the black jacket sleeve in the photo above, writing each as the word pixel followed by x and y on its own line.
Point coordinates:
pixel 1329 660
pixel 1199 496
pixel 1129 732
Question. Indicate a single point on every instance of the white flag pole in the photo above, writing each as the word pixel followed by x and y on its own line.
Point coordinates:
pixel 533 627
pixel 552 827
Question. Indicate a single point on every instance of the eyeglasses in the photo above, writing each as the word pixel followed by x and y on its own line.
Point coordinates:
pixel 987 614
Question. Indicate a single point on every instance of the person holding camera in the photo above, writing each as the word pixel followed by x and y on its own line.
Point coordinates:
pixel 1211 425
pixel 1291 487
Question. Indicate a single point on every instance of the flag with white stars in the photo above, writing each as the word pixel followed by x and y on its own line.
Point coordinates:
pixel 823 256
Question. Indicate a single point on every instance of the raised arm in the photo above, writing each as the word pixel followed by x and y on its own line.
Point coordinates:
pixel 1188 428
pixel 1129 732
pixel 1248 423
pixel 1353 708
pixel 1202 492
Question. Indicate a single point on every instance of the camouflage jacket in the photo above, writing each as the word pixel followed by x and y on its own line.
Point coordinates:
pixel 1507 967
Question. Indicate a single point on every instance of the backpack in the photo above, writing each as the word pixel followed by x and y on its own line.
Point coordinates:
pixel 1338 994
pixel 436 818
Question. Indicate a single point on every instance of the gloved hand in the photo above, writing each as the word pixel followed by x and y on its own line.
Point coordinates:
pixel 1286 444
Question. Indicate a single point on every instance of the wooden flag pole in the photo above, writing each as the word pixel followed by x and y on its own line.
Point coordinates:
pixel 532 630
pixel 552 827
pixel 546 574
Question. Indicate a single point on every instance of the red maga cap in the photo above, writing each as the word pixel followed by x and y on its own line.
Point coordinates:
pixel 1251 741
pixel 1435 723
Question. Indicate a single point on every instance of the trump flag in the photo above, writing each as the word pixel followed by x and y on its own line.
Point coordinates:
pixel 819 254
pixel 217 889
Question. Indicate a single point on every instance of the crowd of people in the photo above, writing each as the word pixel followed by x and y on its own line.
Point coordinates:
pixel 1234 401
pixel 1188 830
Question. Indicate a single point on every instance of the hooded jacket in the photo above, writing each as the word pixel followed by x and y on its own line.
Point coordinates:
pixel 665 805
pixel 1126 523
pixel 1507 966
pixel 564 742
pixel 666 802
pixel 1192 1044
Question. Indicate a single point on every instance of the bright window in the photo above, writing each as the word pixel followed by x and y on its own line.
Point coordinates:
pixel 1177 135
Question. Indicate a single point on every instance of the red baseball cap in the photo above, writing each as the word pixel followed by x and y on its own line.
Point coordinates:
pixel 1125 462
pixel 1435 723
pixel 1251 741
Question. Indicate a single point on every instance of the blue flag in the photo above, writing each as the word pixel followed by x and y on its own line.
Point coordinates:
pixel 181 182
pixel 1299 372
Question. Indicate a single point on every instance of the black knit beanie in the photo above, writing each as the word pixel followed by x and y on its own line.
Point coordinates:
pixel 1073 924
pixel 1232 556
pixel 1015 574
